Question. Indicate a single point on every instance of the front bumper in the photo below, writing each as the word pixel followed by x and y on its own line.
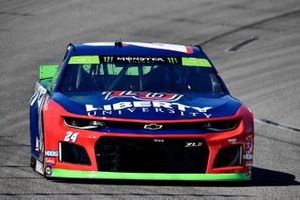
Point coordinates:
pixel 54 167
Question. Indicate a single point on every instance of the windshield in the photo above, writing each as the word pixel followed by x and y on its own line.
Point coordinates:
pixel 176 76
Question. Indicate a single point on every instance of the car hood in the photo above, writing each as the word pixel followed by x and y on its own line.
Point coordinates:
pixel 148 106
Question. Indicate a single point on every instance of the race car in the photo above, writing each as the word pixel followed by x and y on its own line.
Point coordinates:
pixel 138 111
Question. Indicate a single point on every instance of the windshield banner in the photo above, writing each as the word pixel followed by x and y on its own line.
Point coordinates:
pixel 185 61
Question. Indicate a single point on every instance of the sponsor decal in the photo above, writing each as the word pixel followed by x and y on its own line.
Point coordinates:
pixel 249 144
pixel 148 102
pixel 50 160
pixel 51 153
pixel 248 156
pixel 248 163
pixel 48 170
pixel 130 59
pixel 37 146
pixel 172 60
pixel 40 91
pixel 232 141
pixel 39 167
pixel 153 96
pixel 108 59
pixel 147 106
pixel 248 148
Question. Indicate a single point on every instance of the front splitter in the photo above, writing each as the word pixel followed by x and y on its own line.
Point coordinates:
pixel 63 173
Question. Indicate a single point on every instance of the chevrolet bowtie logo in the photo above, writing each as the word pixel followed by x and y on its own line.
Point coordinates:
pixel 153 127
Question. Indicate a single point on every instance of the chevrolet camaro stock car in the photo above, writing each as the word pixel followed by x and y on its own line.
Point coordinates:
pixel 138 111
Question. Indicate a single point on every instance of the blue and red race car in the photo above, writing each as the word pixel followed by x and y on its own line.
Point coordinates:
pixel 140 111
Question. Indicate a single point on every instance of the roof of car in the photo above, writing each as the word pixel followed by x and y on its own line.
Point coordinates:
pixel 136 49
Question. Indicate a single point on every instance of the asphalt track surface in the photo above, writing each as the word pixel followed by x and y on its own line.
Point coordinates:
pixel 254 44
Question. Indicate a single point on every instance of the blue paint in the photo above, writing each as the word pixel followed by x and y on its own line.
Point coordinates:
pixel 34 124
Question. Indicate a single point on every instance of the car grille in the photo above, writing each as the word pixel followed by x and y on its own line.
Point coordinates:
pixel 120 154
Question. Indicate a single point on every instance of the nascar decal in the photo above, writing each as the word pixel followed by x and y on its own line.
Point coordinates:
pixel 147 106
pixel 143 95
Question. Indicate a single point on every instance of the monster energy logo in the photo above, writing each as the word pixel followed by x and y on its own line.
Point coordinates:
pixel 108 59
pixel 172 60
pixel 134 59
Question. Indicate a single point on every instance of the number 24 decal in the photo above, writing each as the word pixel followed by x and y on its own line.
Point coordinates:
pixel 71 137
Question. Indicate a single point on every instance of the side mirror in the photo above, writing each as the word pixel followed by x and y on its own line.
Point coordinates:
pixel 48 72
